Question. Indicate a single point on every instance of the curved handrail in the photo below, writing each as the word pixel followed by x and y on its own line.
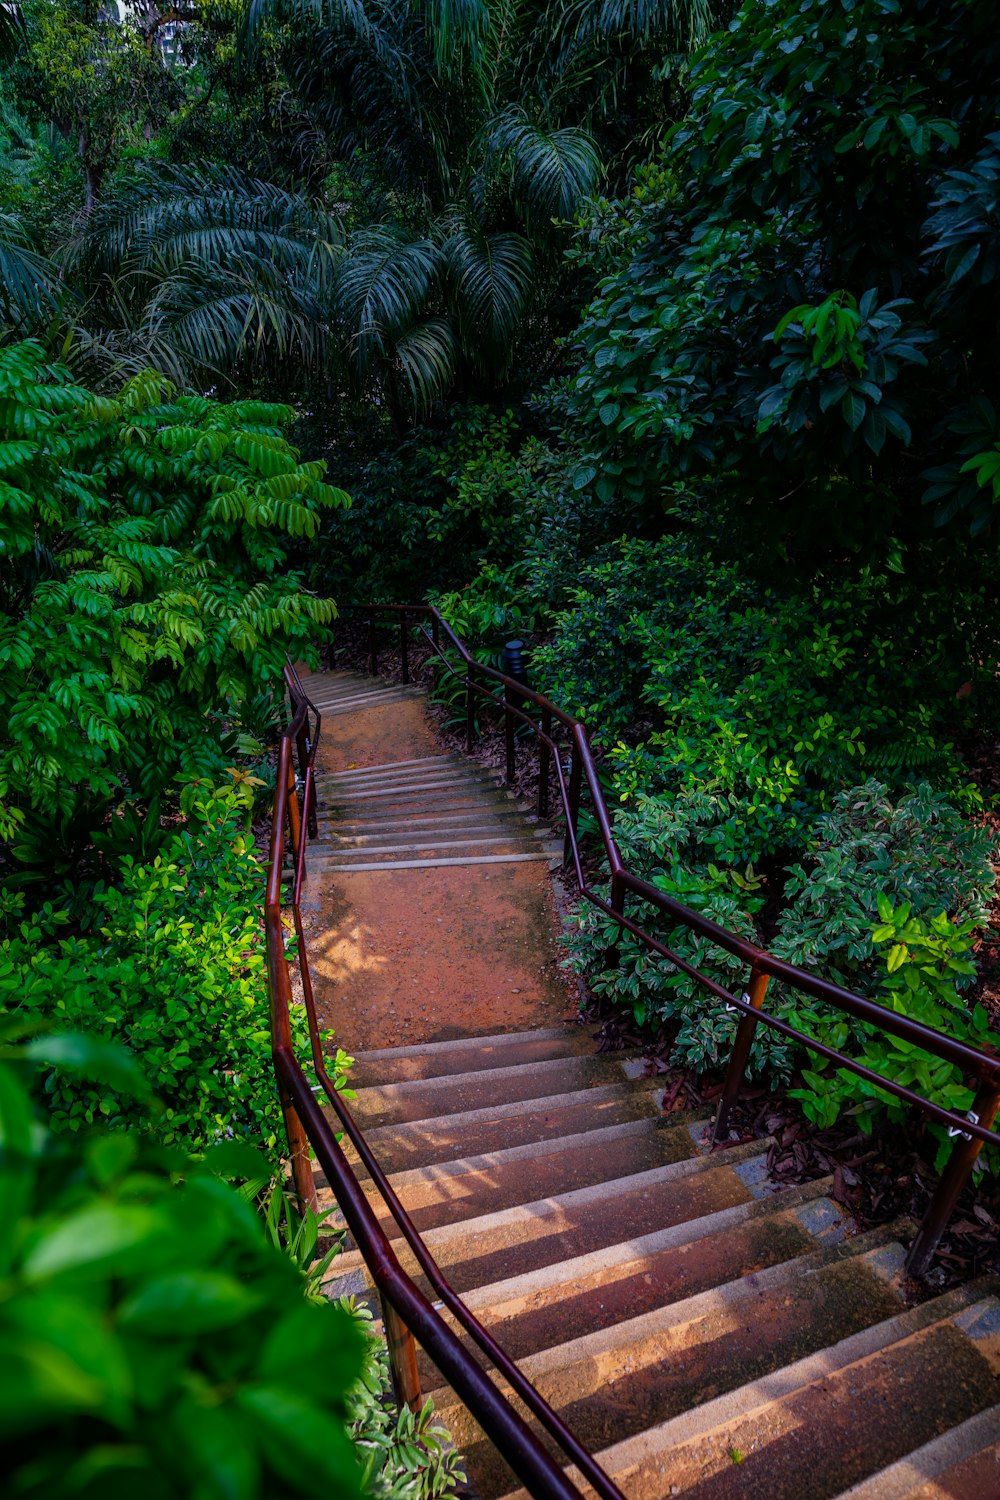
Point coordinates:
pixel 306 1125
pixel 972 1130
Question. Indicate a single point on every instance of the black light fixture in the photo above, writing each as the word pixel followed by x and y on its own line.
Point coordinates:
pixel 512 662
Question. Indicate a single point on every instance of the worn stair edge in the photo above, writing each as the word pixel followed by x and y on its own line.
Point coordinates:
pixel 497 815
pixel 353 705
pixel 524 840
pixel 517 1289
pixel 416 1099
pixel 406 791
pixel 876 1250
pixel 915 1474
pixel 430 864
pixel 391 765
pixel 491 1162
pixel 438 1059
pixel 540 1212
pixel 648 1093
pixel 637 1453
pixel 397 771
pixel 461 829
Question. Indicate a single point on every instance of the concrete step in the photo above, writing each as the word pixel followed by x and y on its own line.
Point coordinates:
pixel 517 841
pixel 620 1282
pixel 516 1240
pixel 962 1462
pixel 823 1423
pixel 467 831
pixel 460 1191
pixel 450 1137
pixel 457 1093
pixel 619 1381
pixel 468 1055
pixel 500 816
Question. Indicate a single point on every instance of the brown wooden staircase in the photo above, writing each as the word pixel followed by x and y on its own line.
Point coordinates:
pixel 701 1331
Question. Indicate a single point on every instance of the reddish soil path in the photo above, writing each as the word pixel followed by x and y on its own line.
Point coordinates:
pixel 426 954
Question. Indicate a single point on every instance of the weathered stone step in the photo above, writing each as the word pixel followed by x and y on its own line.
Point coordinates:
pixel 620 1282
pixel 621 1380
pixel 459 1191
pixel 515 1240
pixel 961 1464
pixel 496 842
pixel 450 1137
pixel 817 1426
pixel 553 857
pixel 432 1098
pixel 464 832
pixel 468 1055
pixel 500 816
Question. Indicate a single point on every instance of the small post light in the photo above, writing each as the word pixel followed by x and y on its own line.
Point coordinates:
pixel 512 662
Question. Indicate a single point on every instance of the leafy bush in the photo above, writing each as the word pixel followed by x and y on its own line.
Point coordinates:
pixel 924 964
pixel 146 583
pixel 177 973
pixel 152 1340
pixel 620 969
pixel 868 849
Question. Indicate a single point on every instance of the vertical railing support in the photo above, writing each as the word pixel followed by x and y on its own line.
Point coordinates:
pixel 470 711
pixel 508 732
pixel 435 661
pixel 756 990
pixel 616 900
pixel 573 809
pixel 544 755
pixel 298 1157
pixel 402 1351
pixel 953 1179
pixel 294 813
pixel 404 647
pixel 372 648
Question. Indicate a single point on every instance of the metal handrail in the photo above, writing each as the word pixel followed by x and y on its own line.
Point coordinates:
pixel 971 1130
pixel 407 1311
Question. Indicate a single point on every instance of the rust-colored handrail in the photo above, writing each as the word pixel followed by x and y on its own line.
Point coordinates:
pixel 408 1312
pixel 511 698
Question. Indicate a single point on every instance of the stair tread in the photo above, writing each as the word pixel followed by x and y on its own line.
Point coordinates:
pixel 882 1387
pixel 436 1059
pixel 964 1461
pixel 621 1380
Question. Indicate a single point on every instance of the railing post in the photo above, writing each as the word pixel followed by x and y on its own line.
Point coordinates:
pixel 402 1350
pixel 309 808
pixel 435 661
pixel 953 1180
pixel 298 1155
pixel 756 990
pixel 573 810
pixel 404 647
pixel 508 730
pixel 372 648
pixel 544 754
pixel 294 813
pixel 616 900
pixel 470 711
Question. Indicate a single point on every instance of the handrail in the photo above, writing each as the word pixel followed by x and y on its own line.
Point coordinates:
pixel 408 1312
pixel 972 1131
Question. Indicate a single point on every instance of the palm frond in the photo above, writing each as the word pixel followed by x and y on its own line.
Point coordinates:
pixel 678 23
pixel 490 279
pixel 550 171
pixel 30 286
pixel 425 355
pixel 211 268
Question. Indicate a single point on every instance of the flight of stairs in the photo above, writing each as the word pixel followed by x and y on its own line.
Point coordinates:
pixel 704 1333
pixel 414 814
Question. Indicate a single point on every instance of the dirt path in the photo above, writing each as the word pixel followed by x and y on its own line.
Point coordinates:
pixel 440 950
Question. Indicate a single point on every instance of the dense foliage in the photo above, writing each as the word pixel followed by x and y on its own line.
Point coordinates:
pixel 154 1337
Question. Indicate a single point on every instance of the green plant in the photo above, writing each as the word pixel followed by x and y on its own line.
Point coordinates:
pixel 924 964
pixel 176 971
pixel 918 850
pixel 405 1455
pixel 145 593
pixel 620 969
pixel 151 1338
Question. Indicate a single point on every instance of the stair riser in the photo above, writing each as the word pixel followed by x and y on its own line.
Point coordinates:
pixel 451 1139
pixel 403 1103
pixel 746 1337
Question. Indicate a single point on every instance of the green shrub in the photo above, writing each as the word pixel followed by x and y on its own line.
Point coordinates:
pixel 175 971
pixel 924 963
pixel 917 850
pixel 151 1340
pixel 620 969
pixel 145 592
